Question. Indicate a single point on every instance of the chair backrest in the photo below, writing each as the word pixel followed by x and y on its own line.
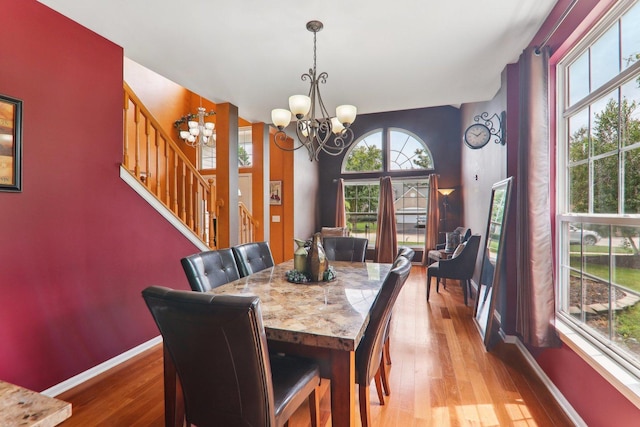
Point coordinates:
pixel 407 252
pixel 334 232
pixel 219 348
pixel 369 351
pixel 462 266
pixel 210 269
pixel 252 257
pixel 351 249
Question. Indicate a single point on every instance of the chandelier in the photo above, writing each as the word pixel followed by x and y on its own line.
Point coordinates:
pixel 322 133
pixel 198 132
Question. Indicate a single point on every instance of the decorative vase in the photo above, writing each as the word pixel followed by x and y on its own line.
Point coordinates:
pixel 300 256
pixel 316 259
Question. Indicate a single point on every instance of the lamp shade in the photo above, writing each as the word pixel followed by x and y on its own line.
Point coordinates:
pixel 446 191
pixel 281 117
pixel 346 113
pixel 336 126
pixel 299 105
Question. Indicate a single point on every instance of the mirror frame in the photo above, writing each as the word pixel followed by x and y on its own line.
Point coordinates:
pixel 481 310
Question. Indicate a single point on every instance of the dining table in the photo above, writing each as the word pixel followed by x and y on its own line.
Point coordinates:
pixel 320 320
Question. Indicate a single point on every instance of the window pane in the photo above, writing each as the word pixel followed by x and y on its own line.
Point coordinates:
pixel 366 154
pixel 245 146
pixel 207 157
pixel 605 185
pixel 630 112
pixel 604 124
pixel 361 204
pixel 579 78
pixel 605 62
pixel 579 188
pixel 411 201
pixel 579 136
pixel 408 152
pixel 630 28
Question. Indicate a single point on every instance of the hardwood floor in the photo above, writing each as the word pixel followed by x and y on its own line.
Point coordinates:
pixel 440 376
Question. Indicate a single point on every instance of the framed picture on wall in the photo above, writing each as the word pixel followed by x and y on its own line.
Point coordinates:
pixel 10 144
pixel 275 192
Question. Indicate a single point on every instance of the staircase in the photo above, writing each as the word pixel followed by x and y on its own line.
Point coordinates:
pixel 156 162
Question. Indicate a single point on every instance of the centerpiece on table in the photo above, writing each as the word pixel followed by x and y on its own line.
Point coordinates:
pixel 311 265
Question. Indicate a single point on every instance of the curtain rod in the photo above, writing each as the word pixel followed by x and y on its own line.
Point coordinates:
pixel 555 27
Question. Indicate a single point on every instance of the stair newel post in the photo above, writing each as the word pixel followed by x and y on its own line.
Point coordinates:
pixel 136 118
pixel 211 208
pixel 125 137
pixel 147 139
pixel 157 141
pixel 183 186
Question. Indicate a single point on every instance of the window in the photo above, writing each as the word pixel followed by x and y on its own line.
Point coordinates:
pixel 598 219
pixel 404 157
pixel 245 151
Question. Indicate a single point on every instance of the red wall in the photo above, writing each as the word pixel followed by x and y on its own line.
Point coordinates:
pixel 77 245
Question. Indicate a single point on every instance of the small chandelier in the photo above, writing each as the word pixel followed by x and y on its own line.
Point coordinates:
pixel 198 132
pixel 323 133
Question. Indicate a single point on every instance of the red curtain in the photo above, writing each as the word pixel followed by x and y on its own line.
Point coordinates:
pixel 341 213
pixel 433 219
pixel 386 236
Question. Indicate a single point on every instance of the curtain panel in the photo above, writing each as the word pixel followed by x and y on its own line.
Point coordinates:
pixel 387 236
pixel 536 295
pixel 341 214
pixel 433 219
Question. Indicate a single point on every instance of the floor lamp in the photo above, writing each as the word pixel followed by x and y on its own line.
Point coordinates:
pixel 445 204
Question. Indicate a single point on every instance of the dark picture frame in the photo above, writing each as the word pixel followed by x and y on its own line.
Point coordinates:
pixel 275 192
pixel 10 144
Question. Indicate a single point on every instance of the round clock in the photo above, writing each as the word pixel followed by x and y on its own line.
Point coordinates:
pixel 477 135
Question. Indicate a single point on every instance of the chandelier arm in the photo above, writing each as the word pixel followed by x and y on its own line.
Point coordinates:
pixel 280 137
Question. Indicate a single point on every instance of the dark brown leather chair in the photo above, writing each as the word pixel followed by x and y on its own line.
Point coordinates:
pixel 351 249
pixel 459 267
pixel 406 252
pixel 219 348
pixel 252 257
pixel 210 269
pixel 369 363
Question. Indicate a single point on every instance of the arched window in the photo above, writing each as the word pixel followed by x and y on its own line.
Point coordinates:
pixel 407 159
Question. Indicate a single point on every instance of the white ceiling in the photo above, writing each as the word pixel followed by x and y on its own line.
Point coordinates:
pixel 380 55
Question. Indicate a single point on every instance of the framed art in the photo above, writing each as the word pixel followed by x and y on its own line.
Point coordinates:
pixel 10 144
pixel 275 192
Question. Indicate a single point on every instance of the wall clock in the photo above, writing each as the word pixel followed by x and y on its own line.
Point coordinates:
pixel 480 133
pixel 477 135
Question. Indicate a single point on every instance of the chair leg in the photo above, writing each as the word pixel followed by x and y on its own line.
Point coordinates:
pixel 428 285
pixel 314 407
pixel 378 380
pixel 387 352
pixel 437 284
pixel 464 290
pixel 365 413
pixel 385 378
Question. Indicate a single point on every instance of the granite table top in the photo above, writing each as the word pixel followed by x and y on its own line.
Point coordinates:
pixel 331 315
pixel 22 407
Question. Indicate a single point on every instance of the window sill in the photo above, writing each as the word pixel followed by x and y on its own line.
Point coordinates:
pixel 619 377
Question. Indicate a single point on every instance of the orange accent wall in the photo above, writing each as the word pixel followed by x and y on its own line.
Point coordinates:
pixel 281 169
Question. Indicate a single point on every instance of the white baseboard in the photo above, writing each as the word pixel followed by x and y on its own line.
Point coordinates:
pixel 551 387
pixel 99 369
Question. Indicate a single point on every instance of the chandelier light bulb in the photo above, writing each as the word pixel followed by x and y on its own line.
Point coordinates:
pixel 299 105
pixel 346 114
pixel 281 118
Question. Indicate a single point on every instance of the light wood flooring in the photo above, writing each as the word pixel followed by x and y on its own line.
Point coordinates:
pixel 441 376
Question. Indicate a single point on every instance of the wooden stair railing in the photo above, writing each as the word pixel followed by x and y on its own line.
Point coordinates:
pixel 247 224
pixel 157 162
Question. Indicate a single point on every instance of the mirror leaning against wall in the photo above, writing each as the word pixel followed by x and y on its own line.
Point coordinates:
pixel 492 259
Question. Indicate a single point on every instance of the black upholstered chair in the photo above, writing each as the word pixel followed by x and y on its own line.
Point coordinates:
pixel 219 348
pixel 459 267
pixel 252 257
pixel 406 252
pixel 351 249
pixel 369 354
pixel 210 269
